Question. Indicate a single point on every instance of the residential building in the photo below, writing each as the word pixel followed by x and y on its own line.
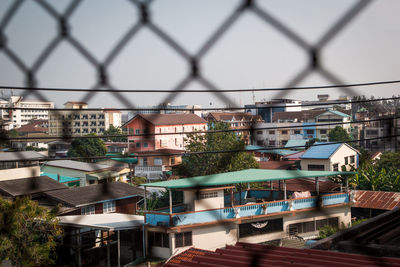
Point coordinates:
pixel 35 140
pixel 151 132
pixel 22 164
pixel 79 121
pixel 208 219
pixel 14 115
pixel 323 102
pixel 88 173
pixel 34 126
pixel 58 148
pixel 168 109
pixel 114 197
pixel 267 109
pixel 276 135
pixel 330 157
pixel 241 121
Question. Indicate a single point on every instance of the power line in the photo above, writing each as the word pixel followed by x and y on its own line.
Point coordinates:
pixel 201 91
pixel 198 153
pixel 208 109
pixel 67 137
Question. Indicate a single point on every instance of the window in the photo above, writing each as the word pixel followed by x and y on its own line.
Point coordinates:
pixel 310 132
pixel 93 116
pixel 172 161
pixel 251 229
pixel 260 142
pixel 145 145
pixel 322 131
pixel 296 131
pixel 346 160
pixel 158 239
pixel 144 161
pixel 272 142
pixel 204 195
pixel 311 226
pixel 88 210
pixel 137 131
pixel 336 167
pixel 271 132
pixel 158 161
pixel 284 132
pixel 183 239
pixel 313 167
pixel 259 132
pixel 109 207
pixel 352 159
pixel 138 144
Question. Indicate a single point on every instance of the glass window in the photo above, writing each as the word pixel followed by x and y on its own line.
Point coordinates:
pixel 271 132
pixel 336 167
pixel 137 131
pixel 145 145
pixel 138 144
pixel 322 131
pixel 284 132
pixel 310 131
pixel 352 159
pixel 109 207
pixel 158 239
pixel 88 210
pixel 183 239
pixel 259 132
pixel 313 167
pixel 346 160
pixel 296 131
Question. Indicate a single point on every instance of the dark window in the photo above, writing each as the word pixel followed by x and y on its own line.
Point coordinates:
pixel 313 167
pixel 260 143
pixel 336 167
pixel 352 159
pixel 145 145
pixel 272 142
pixel 137 131
pixel 284 142
pixel 330 221
pixel 138 144
pixel 346 160
pixel 285 132
pixel 261 227
pixel 296 131
pixel 310 131
pixel 183 239
pixel 158 239
pixel 271 132
pixel 322 131
pixel 311 226
pixel 259 132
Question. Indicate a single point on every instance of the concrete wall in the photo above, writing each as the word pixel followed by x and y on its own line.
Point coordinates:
pixel 17 173
pixel 326 162
pixel 210 203
pixel 341 153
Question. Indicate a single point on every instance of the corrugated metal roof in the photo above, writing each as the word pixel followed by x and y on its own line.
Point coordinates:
pixel 296 144
pixel 376 200
pixel 63 179
pixel 77 165
pixel 320 151
pixel 29 186
pixel 336 112
pixel 281 152
pixel 9 156
pixel 243 176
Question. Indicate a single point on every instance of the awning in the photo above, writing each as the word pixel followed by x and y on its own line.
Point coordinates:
pixel 102 175
pixel 107 221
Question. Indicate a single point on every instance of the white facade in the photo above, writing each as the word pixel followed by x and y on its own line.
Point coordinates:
pixel 344 158
pixel 276 137
pixel 15 118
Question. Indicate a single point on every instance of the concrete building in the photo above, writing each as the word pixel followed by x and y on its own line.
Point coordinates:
pixel 330 157
pixel 165 131
pixel 208 219
pixel 15 118
pixel 81 121
pixel 266 109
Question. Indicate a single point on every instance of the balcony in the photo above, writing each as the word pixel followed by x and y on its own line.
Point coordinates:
pixel 178 218
pixel 150 172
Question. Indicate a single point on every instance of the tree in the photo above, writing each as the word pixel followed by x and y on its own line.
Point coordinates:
pixel 28 233
pixel 87 147
pixel 211 163
pixel 114 131
pixel 338 134
pixel 5 135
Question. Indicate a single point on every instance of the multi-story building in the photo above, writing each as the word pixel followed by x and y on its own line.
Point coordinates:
pixel 266 109
pixel 168 109
pixel 241 121
pixel 165 131
pixel 14 116
pixel 81 121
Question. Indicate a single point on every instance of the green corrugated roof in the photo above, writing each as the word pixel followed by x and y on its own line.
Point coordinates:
pixel 244 176
pixel 63 179
pixel 296 144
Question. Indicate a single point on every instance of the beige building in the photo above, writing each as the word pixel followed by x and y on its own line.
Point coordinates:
pixel 330 157
pixel 81 121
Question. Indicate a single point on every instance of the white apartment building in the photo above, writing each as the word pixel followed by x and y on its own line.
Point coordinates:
pixel 81 121
pixel 15 118
pixel 274 135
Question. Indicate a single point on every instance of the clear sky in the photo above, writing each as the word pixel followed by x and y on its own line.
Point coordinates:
pixel 251 54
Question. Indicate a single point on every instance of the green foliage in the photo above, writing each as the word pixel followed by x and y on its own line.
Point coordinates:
pixel 32 148
pixel 388 160
pixel 114 131
pixel 311 141
pixel 28 233
pixel 338 134
pixel 327 230
pixel 211 163
pixel 87 147
pixel 158 200
pixel 138 180
pixel 5 135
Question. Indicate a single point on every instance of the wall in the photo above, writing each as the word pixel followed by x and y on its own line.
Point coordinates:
pixel 341 153
pixel 17 173
pixel 66 172
pixel 305 162
pixel 140 124
pixel 127 206
pixel 210 203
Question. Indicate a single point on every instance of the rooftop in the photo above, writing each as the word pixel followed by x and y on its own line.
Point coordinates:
pixel 243 176
pixel 80 196
pixel 322 150
pixel 169 119
pixel 63 179
pixel 20 155
pixel 296 144
pixel 29 186
pixel 376 200
pixel 77 165
pixel 281 152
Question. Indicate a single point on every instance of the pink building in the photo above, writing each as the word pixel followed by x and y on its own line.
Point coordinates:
pixel 161 131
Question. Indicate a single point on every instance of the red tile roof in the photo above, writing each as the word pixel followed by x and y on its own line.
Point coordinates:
pixel 228 116
pixel 299 115
pixel 243 254
pixel 170 119
pixel 376 199
pixel 188 255
pixel 277 165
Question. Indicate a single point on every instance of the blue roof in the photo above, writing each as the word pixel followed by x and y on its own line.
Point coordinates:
pixel 321 151
pixel 281 152
pixel 296 144
pixel 63 179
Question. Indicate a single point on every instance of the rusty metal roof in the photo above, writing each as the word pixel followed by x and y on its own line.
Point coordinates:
pixel 376 199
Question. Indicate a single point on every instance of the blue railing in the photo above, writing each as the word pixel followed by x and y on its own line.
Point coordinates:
pixel 179 219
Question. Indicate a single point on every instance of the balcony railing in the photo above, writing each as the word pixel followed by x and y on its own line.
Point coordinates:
pixel 243 211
